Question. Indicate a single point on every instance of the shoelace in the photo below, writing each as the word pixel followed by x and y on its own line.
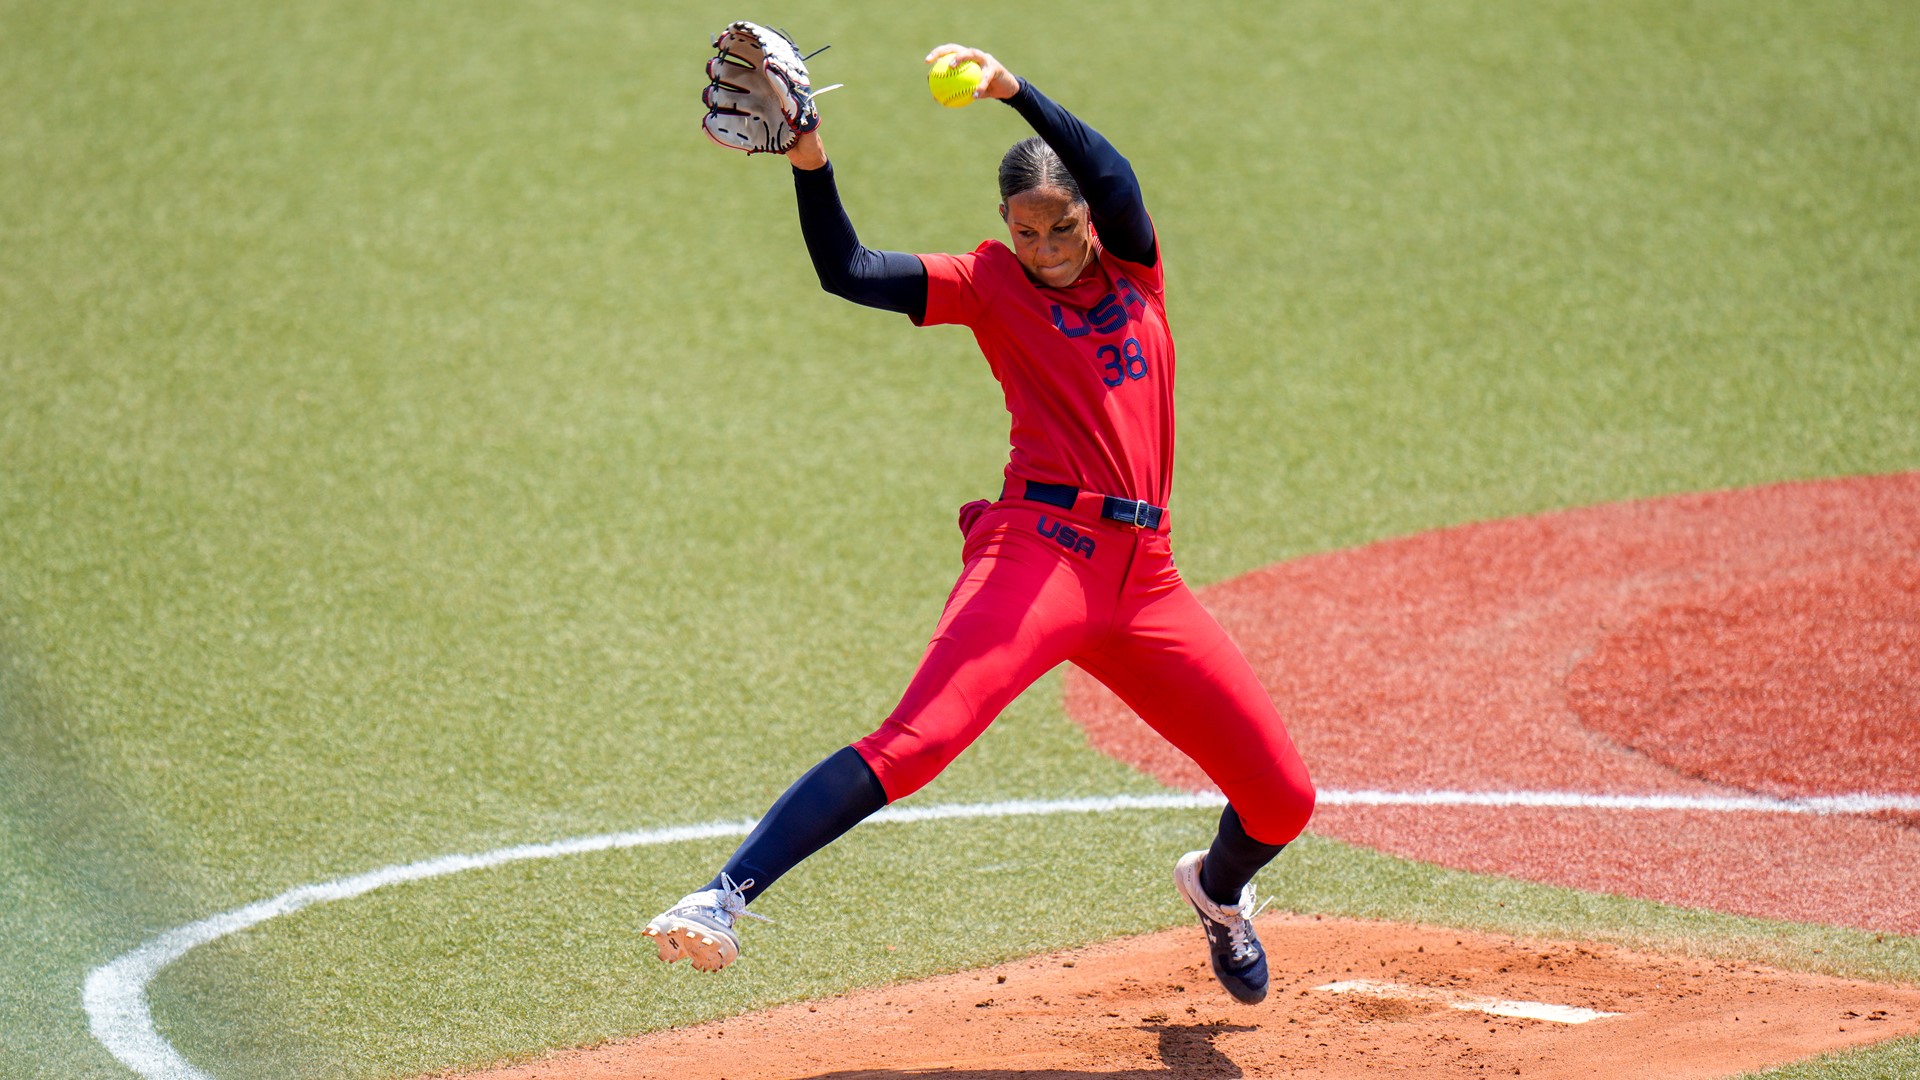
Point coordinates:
pixel 733 901
pixel 1240 928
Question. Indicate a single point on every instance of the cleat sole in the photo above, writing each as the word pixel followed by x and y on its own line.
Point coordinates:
pixel 704 952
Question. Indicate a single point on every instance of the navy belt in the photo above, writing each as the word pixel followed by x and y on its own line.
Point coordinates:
pixel 1140 515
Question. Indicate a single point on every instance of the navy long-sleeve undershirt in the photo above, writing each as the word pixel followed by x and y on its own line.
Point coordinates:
pixel 1106 179
pixel 888 280
pixel 897 281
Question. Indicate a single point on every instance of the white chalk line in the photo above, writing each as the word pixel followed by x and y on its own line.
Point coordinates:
pixel 1859 803
pixel 120 1018
pixel 1454 999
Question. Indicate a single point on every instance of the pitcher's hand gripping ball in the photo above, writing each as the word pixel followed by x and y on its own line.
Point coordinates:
pixel 953 84
pixel 759 97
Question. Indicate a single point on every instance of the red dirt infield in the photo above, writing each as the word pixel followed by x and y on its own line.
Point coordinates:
pixel 1758 642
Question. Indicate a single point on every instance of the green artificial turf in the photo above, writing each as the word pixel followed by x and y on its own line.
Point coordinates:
pixel 1895 1060
pixel 416 438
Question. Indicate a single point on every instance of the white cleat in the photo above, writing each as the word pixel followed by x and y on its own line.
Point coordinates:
pixel 700 926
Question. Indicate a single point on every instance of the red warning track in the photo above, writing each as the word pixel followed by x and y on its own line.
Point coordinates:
pixel 1764 641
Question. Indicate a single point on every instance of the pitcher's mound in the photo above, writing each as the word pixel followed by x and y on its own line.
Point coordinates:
pixel 1349 1000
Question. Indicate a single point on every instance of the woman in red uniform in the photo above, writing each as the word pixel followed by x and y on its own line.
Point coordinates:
pixel 1073 562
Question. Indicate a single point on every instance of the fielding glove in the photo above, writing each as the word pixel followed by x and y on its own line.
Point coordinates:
pixel 759 98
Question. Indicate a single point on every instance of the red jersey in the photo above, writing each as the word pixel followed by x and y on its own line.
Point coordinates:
pixel 1087 369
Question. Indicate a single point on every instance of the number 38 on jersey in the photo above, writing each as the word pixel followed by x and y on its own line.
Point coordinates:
pixel 1119 363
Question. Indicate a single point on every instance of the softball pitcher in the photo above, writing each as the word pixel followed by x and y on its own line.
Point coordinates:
pixel 1073 561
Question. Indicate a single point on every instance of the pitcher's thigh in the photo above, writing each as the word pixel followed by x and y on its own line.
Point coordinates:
pixel 1012 617
pixel 1188 680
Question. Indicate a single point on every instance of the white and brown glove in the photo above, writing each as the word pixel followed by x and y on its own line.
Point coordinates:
pixel 759 98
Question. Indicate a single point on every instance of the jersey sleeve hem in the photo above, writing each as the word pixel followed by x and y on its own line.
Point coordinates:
pixel 961 288
pixel 1152 275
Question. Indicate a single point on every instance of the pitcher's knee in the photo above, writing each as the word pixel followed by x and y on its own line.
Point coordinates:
pixel 1275 808
pixel 904 760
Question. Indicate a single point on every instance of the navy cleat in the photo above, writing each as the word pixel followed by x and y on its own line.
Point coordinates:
pixel 1238 960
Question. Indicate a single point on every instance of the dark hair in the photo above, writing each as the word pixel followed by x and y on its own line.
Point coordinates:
pixel 1031 163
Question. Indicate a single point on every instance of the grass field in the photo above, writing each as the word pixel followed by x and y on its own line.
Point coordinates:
pixel 416 438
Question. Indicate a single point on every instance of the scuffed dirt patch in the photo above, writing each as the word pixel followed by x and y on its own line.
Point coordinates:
pixel 1147 1007
pixel 1792 686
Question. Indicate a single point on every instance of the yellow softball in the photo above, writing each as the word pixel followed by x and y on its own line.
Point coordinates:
pixel 953 85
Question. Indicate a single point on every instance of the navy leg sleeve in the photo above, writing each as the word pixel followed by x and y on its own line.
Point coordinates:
pixel 831 798
pixel 1233 860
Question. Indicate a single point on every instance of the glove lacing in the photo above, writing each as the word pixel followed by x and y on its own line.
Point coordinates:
pixel 782 31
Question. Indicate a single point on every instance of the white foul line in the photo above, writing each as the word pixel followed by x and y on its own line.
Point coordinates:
pixel 115 993
pixel 1453 999
pixel 1860 803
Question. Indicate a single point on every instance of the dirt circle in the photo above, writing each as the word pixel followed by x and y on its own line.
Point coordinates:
pixel 1763 641
pixel 1800 687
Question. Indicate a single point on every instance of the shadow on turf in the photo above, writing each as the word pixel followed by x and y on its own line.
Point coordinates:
pixel 92 844
pixel 1186 1050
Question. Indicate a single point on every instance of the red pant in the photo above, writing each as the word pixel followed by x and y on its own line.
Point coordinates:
pixel 1043 585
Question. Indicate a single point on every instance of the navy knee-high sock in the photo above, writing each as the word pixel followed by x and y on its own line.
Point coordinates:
pixel 1233 860
pixel 831 798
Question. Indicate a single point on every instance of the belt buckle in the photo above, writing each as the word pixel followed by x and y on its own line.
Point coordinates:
pixel 1140 509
